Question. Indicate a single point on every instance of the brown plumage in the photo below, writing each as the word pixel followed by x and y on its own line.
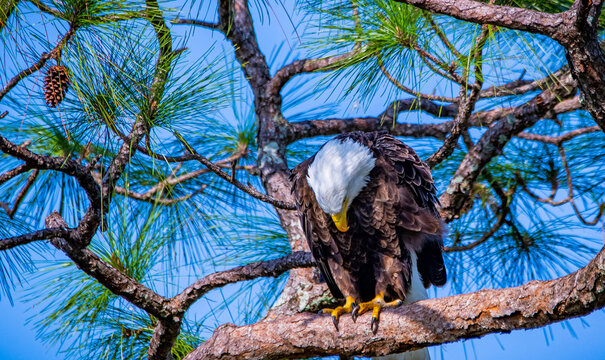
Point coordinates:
pixel 392 217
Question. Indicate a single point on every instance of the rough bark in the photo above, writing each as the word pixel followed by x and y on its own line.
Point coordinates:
pixel 425 323
pixel 585 56
pixel 506 16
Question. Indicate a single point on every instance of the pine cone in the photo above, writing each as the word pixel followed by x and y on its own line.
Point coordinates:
pixel 56 83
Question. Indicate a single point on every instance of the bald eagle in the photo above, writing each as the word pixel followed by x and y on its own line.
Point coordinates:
pixel 367 206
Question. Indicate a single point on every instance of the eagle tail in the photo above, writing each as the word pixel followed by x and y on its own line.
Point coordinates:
pixel 430 261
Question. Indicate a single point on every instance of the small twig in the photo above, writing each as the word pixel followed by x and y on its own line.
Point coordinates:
pixel 444 69
pixel 549 200
pixel 570 192
pixel 406 89
pixel 46 9
pixel 558 140
pixel 30 181
pixel 245 188
pixel 208 25
pixel 442 36
pixel 500 220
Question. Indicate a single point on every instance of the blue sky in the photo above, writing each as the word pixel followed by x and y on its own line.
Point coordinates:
pixel 574 339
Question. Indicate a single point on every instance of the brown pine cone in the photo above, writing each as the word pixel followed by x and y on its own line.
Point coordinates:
pixel 56 83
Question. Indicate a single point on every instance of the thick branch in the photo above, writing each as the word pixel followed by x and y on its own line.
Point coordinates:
pixel 114 280
pixel 425 323
pixel 44 234
pixel 480 13
pixel 311 128
pixel 269 268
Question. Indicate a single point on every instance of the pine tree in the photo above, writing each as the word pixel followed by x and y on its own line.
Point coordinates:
pixel 168 161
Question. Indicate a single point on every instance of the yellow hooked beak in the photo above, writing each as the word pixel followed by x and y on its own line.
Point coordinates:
pixel 340 219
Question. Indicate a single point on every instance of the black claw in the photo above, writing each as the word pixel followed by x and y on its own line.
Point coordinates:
pixel 335 321
pixel 355 312
pixel 374 324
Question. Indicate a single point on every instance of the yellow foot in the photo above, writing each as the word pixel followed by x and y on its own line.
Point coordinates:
pixel 375 305
pixel 348 307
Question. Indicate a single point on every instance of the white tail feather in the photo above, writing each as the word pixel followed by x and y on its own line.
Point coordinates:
pixel 416 292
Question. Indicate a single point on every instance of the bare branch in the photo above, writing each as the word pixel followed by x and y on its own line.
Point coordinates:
pixel 283 75
pixel 558 140
pixel 425 323
pixel 245 188
pixel 268 268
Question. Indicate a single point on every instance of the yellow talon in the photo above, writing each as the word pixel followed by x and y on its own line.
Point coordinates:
pixel 377 304
pixel 346 308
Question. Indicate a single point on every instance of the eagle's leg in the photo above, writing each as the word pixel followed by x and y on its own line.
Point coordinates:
pixel 375 305
pixel 346 308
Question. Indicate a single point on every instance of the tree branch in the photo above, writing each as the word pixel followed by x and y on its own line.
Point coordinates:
pixel 558 140
pixel 480 13
pixel 113 279
pixel 425 323
pixel 44 234
pixel 21 169
pixel 268 268
pixel 283 75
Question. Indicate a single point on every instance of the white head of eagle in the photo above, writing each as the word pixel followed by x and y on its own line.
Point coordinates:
pixel 338 173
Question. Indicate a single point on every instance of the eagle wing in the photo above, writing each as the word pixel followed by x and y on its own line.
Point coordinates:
pixel 319 239
pixel 418 223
